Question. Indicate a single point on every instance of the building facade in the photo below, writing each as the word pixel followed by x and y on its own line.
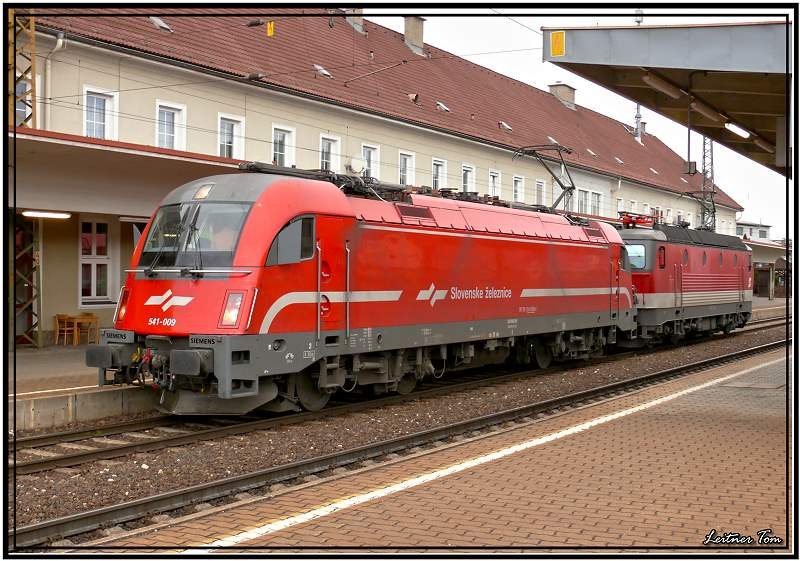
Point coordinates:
pixel 120 123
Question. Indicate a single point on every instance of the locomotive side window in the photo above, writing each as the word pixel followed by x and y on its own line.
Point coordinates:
pixel 636 256
pixel 625 261
pixel 294 243
pixel 705 258
pixel 662 257
pixel 685 257
pixel 735 259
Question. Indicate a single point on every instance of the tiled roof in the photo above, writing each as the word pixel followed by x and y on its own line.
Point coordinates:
pixel 478 98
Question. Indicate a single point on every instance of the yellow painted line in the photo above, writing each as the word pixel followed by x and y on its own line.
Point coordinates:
pixel 342 504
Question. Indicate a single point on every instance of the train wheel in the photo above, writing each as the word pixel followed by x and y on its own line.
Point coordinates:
pixel 542 354
pixel 311 397
pixel 407 384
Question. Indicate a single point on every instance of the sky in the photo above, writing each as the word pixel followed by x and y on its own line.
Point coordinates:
pixel 762 192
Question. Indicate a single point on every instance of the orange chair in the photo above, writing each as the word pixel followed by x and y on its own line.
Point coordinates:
pixel 64 327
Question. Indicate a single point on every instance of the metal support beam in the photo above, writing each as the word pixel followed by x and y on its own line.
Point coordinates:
pixel 708 219
pixel 22 69
pixel 27 283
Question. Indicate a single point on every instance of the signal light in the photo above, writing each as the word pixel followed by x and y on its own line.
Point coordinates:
pixel 230 313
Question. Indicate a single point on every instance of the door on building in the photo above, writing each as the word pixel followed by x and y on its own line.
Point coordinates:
pixel 761 280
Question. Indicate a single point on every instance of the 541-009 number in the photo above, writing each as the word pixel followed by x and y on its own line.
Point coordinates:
pixel 169 322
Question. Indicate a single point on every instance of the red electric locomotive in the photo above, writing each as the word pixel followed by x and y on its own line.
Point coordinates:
pixel 688 281
pixel 276 289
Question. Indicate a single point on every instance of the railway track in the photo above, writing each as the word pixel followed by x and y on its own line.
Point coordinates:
pixel 39 533
pixel 71 448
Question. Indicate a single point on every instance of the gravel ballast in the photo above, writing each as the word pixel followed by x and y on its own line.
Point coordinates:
pixel 59 493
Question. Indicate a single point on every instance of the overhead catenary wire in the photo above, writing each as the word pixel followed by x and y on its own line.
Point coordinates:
pixel 304 70
pixel 606 207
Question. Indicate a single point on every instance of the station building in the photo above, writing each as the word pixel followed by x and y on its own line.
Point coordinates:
pixel 128 107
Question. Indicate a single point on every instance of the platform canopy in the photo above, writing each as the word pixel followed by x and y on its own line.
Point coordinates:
pixel 713 78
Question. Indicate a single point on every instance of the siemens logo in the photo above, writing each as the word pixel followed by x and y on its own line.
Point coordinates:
pixel 204 340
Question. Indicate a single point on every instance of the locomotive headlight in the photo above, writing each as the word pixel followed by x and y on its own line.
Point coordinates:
pixel 122 305
pixel 230 313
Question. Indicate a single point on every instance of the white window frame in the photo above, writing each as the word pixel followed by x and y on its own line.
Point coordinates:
pixel 336 157
pixel 689 218
pixel 620 205
pixel 518 195
pixel 111 260
pixel 291 143
pixel 377 163
pixel 540 185
pixel 585 203
pixel 238 135
pixel 471 180
pixel 668 215
pixel 632 206
pixel 646 209
pixel 599 203
pixel 443 179
pixel 411 178
pixel 499 175
pixel 180 122
pixel 111 114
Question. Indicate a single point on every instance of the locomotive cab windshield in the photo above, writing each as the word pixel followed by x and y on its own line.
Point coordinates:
pixel 194 234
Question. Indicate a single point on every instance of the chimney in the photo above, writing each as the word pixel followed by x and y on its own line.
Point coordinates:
pixel 413 33
pixel 355 18
pixel 564 93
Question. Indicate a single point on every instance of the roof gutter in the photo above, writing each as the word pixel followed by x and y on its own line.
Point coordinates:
pixel 282 89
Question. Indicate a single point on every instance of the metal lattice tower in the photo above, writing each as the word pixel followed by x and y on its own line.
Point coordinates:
pixel 21 69
pixel 708 219
pixel 25 320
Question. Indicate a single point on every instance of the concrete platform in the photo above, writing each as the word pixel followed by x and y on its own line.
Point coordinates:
pixel 657 469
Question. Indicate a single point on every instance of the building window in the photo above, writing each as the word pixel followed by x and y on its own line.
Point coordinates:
pixel 669 216
pixel 595 210
pixel 406 168
pixel 632 206
pixel 689 218
pixel 739 231
pixel 494 183
pixel 439 174
pixel 657 212
pixel 99 114
pixel 583 200
pixel 170 125
pixel 283 146
pixel 762 234
pixel 620 205
pixel 371 157
pixel 568 201
pixel 539 191
pixel 467 178
pixel 646 209
pixel 329 153
pixel 518 188
pixel 96 271
pixel 231 136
